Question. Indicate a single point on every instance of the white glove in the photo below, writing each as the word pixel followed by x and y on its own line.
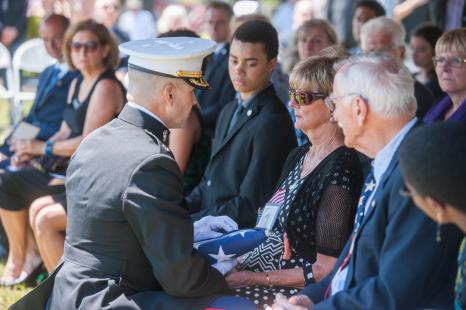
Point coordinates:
pixel 213 226
pixel 224 266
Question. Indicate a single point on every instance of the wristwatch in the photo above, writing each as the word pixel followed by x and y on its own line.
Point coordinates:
pixel 48 149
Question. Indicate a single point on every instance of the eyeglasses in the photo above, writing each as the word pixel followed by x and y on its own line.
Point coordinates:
pixel 89 46
pixel 454 62
pixel 331 100
pixel 301 97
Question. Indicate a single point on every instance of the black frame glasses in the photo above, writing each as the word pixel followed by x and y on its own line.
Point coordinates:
pixel 302 97
pixel 89 46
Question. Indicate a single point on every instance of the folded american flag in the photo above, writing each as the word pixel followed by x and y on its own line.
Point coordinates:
pixel 230 245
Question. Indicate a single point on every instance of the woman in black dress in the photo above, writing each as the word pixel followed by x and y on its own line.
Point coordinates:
pixel 316 198
pixel 94 99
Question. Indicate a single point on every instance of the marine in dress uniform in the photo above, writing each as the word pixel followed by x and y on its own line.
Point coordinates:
pixel 129 242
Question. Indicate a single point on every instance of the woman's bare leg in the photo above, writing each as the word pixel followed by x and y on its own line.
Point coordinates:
pixel 49 230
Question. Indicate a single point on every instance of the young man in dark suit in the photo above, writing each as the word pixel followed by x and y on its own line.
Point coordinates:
pixel 129 242
pixel 253 136
pixel 392 259
pixel 221 91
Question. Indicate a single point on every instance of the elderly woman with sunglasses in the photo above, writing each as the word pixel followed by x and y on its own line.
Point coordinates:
pixel 314 202
pixel 450 66
pixel 95 98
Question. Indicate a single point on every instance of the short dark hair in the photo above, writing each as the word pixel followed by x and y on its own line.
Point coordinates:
pixel 220 5
pixel 429 32
pixel 376 7
pixel 432 160
pixel 180 32
pixel 258 31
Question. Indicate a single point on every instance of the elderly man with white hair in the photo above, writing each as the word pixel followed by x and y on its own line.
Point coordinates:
pixel 383 35
pixel 393 259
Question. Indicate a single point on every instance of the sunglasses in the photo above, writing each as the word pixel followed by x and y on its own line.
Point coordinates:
pixel 301 97
pixel 89 46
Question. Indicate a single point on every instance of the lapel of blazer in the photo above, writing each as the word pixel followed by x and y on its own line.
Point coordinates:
pixel 40 96
pixel 45 96
pixel 377 196
pixel 250 113
pixel 150 125
pixel 375 200
pixel 380 189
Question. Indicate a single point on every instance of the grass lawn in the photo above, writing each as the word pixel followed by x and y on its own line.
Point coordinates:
pixel 9 296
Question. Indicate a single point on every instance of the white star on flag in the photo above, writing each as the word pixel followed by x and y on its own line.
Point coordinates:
pixel 221 256
pixel 241 232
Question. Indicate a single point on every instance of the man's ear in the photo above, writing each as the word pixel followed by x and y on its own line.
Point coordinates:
pixel 272 64
pixel 360 110
pixel 168 93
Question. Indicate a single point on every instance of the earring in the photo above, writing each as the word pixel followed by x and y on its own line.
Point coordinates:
pixel 332 118
pixel 438 234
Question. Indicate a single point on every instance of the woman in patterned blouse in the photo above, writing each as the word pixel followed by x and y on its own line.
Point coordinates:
pixel 315 200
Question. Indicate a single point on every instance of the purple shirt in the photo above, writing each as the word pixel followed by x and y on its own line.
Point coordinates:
pixel 437 112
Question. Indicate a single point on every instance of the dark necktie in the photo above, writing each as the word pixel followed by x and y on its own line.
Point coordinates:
pixel 234 119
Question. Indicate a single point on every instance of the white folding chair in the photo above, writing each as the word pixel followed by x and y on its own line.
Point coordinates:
pixel 30 56
pixel 6 91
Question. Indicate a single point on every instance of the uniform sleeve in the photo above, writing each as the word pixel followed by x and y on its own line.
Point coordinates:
pixel 271 146
pixel 151 205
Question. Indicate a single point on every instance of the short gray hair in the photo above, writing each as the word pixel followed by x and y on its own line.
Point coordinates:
pixel 383 81
pixel 385 25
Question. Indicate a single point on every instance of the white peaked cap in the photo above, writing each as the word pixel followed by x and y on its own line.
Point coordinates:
pixel 179 57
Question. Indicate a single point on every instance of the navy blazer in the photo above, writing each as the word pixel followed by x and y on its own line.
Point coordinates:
pixel 47 109
pixel 221 90
pixel 396 264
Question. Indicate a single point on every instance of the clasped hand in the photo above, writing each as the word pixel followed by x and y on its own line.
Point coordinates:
pixel 25 150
